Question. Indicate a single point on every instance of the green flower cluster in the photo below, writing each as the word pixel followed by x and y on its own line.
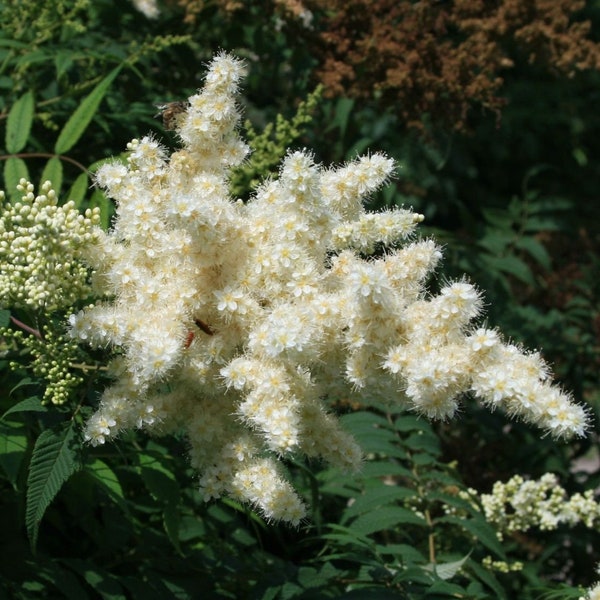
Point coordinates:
pixel 269 147
pixel 52 357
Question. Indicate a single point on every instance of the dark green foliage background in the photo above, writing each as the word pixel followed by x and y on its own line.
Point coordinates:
pixel 517 206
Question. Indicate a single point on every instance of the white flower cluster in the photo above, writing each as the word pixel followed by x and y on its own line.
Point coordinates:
pixel 41 244
pixel 518 505
pixel 236 320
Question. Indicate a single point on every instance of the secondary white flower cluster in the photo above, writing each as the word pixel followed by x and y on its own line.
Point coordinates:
pixel 518 505
pixel 236 321
pixel 40 250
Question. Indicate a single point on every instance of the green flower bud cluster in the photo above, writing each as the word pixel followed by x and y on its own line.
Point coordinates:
pixel 501 566
pixel 41 244
pixel 52 357
pixel 270 146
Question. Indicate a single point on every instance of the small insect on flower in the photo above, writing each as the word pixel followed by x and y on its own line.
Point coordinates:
pixel 170 112
pixel 188 340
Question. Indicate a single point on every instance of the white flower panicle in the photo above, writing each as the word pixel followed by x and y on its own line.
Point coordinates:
pixel 42 245
pixel 256 312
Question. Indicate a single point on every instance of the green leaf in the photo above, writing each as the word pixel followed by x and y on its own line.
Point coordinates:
pixel 13 447
pixel 345 535
pixel 23 383
pixel 159 480
pixel 423 441
pixel 79 189
pixel 171 524
pixel 107 478
pixel 404 552
pixel 53 461
pixel 513 266
pixel 378 469
pixel 479 528
pixel 536 250
pixel 496 241
pixel 370 430
pixel 543 223
pixel 6 43
pixel 343 108
pixel 374 498
pixel 62 62
pixel 385 518
pixel 407 422
pixel 4 317
pixel 100 200
pixel 449 569
pixel 103 583
pixel 82 116
pixel 63 580
pixel 372 593
pixel 455 501
pixel 53 171
pixel 444 589
pixel 15 169
pixel 32 404
pixel 488 578
pixel 18 124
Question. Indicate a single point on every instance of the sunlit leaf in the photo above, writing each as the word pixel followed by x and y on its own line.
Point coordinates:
pixel 81 118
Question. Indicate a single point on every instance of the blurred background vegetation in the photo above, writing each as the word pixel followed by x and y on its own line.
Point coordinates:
pixel 490 110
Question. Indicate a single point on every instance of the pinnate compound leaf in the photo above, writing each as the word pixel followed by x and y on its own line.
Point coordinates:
pixel 82 116
pixel 18 123
pixel 53 461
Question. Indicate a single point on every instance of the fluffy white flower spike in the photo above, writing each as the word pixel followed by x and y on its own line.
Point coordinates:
pixel 256 313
